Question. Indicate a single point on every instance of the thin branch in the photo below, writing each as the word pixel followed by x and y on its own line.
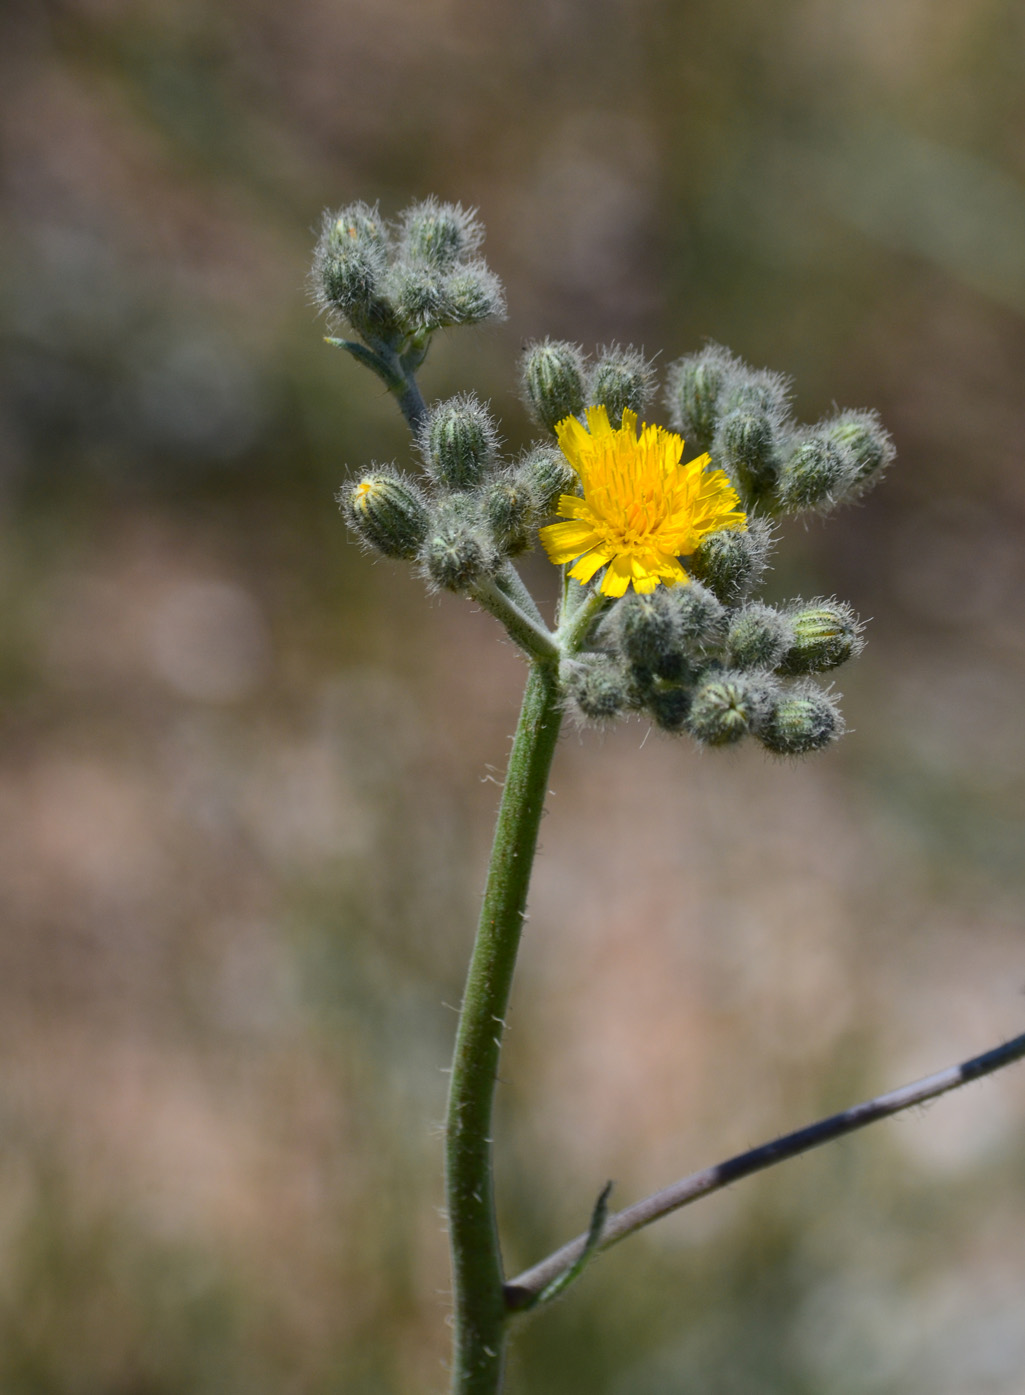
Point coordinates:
pixel 576 623
pixel 510 581
pixel 385 368
pixel 522 1291
pixel 536 639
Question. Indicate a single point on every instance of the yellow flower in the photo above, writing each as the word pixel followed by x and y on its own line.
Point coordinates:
pixel 641 510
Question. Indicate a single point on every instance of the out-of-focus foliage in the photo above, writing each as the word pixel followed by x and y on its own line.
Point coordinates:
pixel 240 776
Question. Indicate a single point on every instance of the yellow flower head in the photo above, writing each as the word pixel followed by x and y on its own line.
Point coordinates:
pixel 642 510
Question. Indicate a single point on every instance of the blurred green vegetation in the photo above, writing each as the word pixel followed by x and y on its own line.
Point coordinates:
pixel 244 776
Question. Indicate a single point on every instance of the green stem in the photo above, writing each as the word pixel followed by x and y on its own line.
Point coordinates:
pixel 534 638
pixel 578 618
pixel 510 581
pixel 480 1311
pixel 411 403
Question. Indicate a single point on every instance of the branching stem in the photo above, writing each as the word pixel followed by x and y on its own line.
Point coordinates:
pixel 524 1290
pixel 532 636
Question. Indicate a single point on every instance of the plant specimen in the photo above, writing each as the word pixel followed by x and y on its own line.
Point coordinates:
pixel 663 535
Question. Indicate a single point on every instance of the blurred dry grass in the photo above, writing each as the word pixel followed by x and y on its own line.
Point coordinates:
pixel 243 775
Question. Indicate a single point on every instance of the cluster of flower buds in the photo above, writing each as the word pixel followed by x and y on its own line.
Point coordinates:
pixel 474 510
pixel 741 417
pixel 559 382
pixel 718 672
pixel 703 657
pixel 699 655
pixel 396 285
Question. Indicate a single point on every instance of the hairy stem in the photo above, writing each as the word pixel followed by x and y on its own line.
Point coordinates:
pixel 479 1301
pixel 411 403
pixel 532 636
pixel 511 583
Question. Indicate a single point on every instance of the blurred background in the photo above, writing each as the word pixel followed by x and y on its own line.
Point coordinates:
pixel 247 777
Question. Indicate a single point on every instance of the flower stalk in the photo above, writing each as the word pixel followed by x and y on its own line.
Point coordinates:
pixel 478 1293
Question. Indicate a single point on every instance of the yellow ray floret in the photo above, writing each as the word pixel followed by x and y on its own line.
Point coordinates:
pixel 641 509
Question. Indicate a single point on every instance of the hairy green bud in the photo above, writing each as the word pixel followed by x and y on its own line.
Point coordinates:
pixel 815 475
pixel 426 299
pixel 699 616
pixel 418 295
pixel 548 474
pixel 473 293
pixel 757 390
pixel 349 269
pixel 439 235
pixel 693 388
pixel 825 635
pixel 731 563
pixel 747 446
pixel 508 506
pixel 386 511
pixel 622 378
pixel 646 630
pixel 727 705
pixel 458 551
pixel 670 707
pixel 802 719
pixel 758 637
pixel 751 430
pixel 862 435
pixel 597 687
pixel 459 442
pixel 553 381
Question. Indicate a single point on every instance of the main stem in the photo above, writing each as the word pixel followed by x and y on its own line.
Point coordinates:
pixel 480 1312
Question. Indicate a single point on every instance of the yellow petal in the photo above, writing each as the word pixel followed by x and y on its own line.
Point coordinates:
pixel 564 541
pixel 572 506
pixel 573 440
pixel 617 578
pixel 598 423
pixel 589 564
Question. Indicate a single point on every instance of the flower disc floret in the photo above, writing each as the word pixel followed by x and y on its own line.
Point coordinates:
pixel 641 508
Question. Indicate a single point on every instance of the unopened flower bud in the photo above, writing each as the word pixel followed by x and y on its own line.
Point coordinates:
pixel 459 442
pixel 439 234
pixel 418 294
pixel 349 268
pixel 473 293
pixel 825 634
pixel 699 616
pixel 387 511
pixel 863 435
pixel 757 390
pixel 548 474
pixel 553 381
pixel 731 563
pixel 509 509
pixel 747 446
pixel 457 552
pixel 426 299
pixel 816 474
pixel 669 707
pixel 598 688
pixel 694 387
pixel 802 719
pixel 728 705
pixel 646 630
pixel 758 637
pixel 622 378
